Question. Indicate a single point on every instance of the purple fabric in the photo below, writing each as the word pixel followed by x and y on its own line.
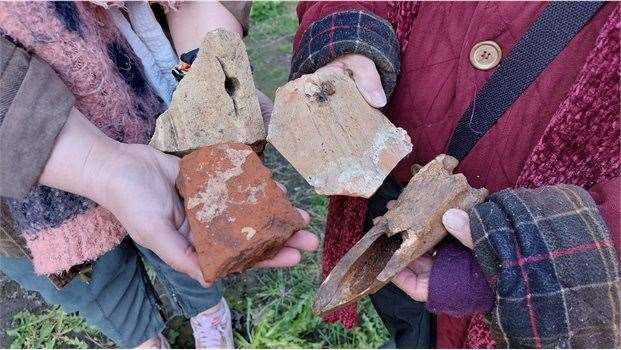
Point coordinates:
pixel 457 285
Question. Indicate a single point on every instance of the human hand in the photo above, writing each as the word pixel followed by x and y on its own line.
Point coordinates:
pixel 138 187
pixel 137 184
pixel 457 223
pixel 414 279
pixel 302 240
pixel 266 105
pixel 365 74
pixel 141 193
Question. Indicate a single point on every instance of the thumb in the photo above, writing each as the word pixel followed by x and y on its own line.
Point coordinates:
pixel 175 250
pixel 367 79
pixel 266 106
pixel 457 223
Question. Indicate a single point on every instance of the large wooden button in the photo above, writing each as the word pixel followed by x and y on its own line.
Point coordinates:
pixel 485 55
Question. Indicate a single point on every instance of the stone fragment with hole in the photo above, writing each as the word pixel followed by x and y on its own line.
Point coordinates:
pixel 333 137
pixel 238 215
pixel 215 102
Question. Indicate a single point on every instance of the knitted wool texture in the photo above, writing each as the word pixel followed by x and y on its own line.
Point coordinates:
pixel 580 146
pixel 81 43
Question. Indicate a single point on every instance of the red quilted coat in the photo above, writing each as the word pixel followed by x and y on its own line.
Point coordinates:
pixel 437 82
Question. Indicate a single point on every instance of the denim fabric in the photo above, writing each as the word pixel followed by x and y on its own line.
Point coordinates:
pixel 119 300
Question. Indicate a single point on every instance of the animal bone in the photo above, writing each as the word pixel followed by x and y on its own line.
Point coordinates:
pixel 407 231
pixel 340 144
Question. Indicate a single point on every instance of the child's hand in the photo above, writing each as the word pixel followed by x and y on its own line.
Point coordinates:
pixel 365 75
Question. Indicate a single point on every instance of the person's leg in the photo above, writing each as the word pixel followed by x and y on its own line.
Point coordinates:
pixel 408 322
pixel 209 314
pixel 116 301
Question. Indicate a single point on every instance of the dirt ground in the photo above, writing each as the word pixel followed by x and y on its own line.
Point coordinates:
pixel 12 300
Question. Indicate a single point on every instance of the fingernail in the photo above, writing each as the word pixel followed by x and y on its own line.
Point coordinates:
pixel 454 220
pixel 379 98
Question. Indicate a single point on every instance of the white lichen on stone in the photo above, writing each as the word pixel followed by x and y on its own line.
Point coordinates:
pixel 254 193
pixel 249 232
pixel 215 195
pixel 353 173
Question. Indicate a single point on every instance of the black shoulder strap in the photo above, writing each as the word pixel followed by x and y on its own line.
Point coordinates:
pixel 549 34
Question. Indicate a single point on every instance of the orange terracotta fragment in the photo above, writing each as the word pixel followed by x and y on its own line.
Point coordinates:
pixel 237 214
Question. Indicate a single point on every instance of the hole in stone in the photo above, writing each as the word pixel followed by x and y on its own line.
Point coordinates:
pixel 230 85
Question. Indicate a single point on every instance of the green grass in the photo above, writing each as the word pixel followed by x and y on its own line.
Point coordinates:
pixel 271 308
pixel 53 329
pixel 269 42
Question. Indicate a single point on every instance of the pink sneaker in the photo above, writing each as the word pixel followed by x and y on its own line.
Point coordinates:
pixel 212 328
pixel 157 342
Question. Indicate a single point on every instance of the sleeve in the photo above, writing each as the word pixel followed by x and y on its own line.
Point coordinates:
pixel 457 285
pixel 607 196
pixel 34 105
pixel 551 262
pixel 329 30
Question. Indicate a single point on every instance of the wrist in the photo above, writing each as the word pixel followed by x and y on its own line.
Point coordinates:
pixel 80 158
pixel 105 159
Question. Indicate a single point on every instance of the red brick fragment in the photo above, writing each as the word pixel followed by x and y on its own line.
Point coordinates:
pixel 237 214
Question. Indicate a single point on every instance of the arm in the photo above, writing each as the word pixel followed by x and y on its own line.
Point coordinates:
pixel 189 24
pixel 34 105
pixel 134 182
pixel 580 234
pixel 551 260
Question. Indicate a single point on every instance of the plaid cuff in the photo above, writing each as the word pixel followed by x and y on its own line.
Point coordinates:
pixel 553 266
pixel 344 33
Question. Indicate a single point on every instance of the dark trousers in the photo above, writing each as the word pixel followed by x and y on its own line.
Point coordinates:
pixel 408 322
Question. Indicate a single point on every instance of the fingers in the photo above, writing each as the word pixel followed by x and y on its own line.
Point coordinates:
pixel 266 106
pixel 421 264
pixel 457 223
pixel 290 254
pixel 305 216
pixel 286 257
pixel 176 251
pixel 281 186
pixel 414 279
pixel 303 240
pixel 365 74
pixel 415 285
pixel 367 79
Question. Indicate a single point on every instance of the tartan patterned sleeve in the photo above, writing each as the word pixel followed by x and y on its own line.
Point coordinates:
pixel 549 257
pixel 344 33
